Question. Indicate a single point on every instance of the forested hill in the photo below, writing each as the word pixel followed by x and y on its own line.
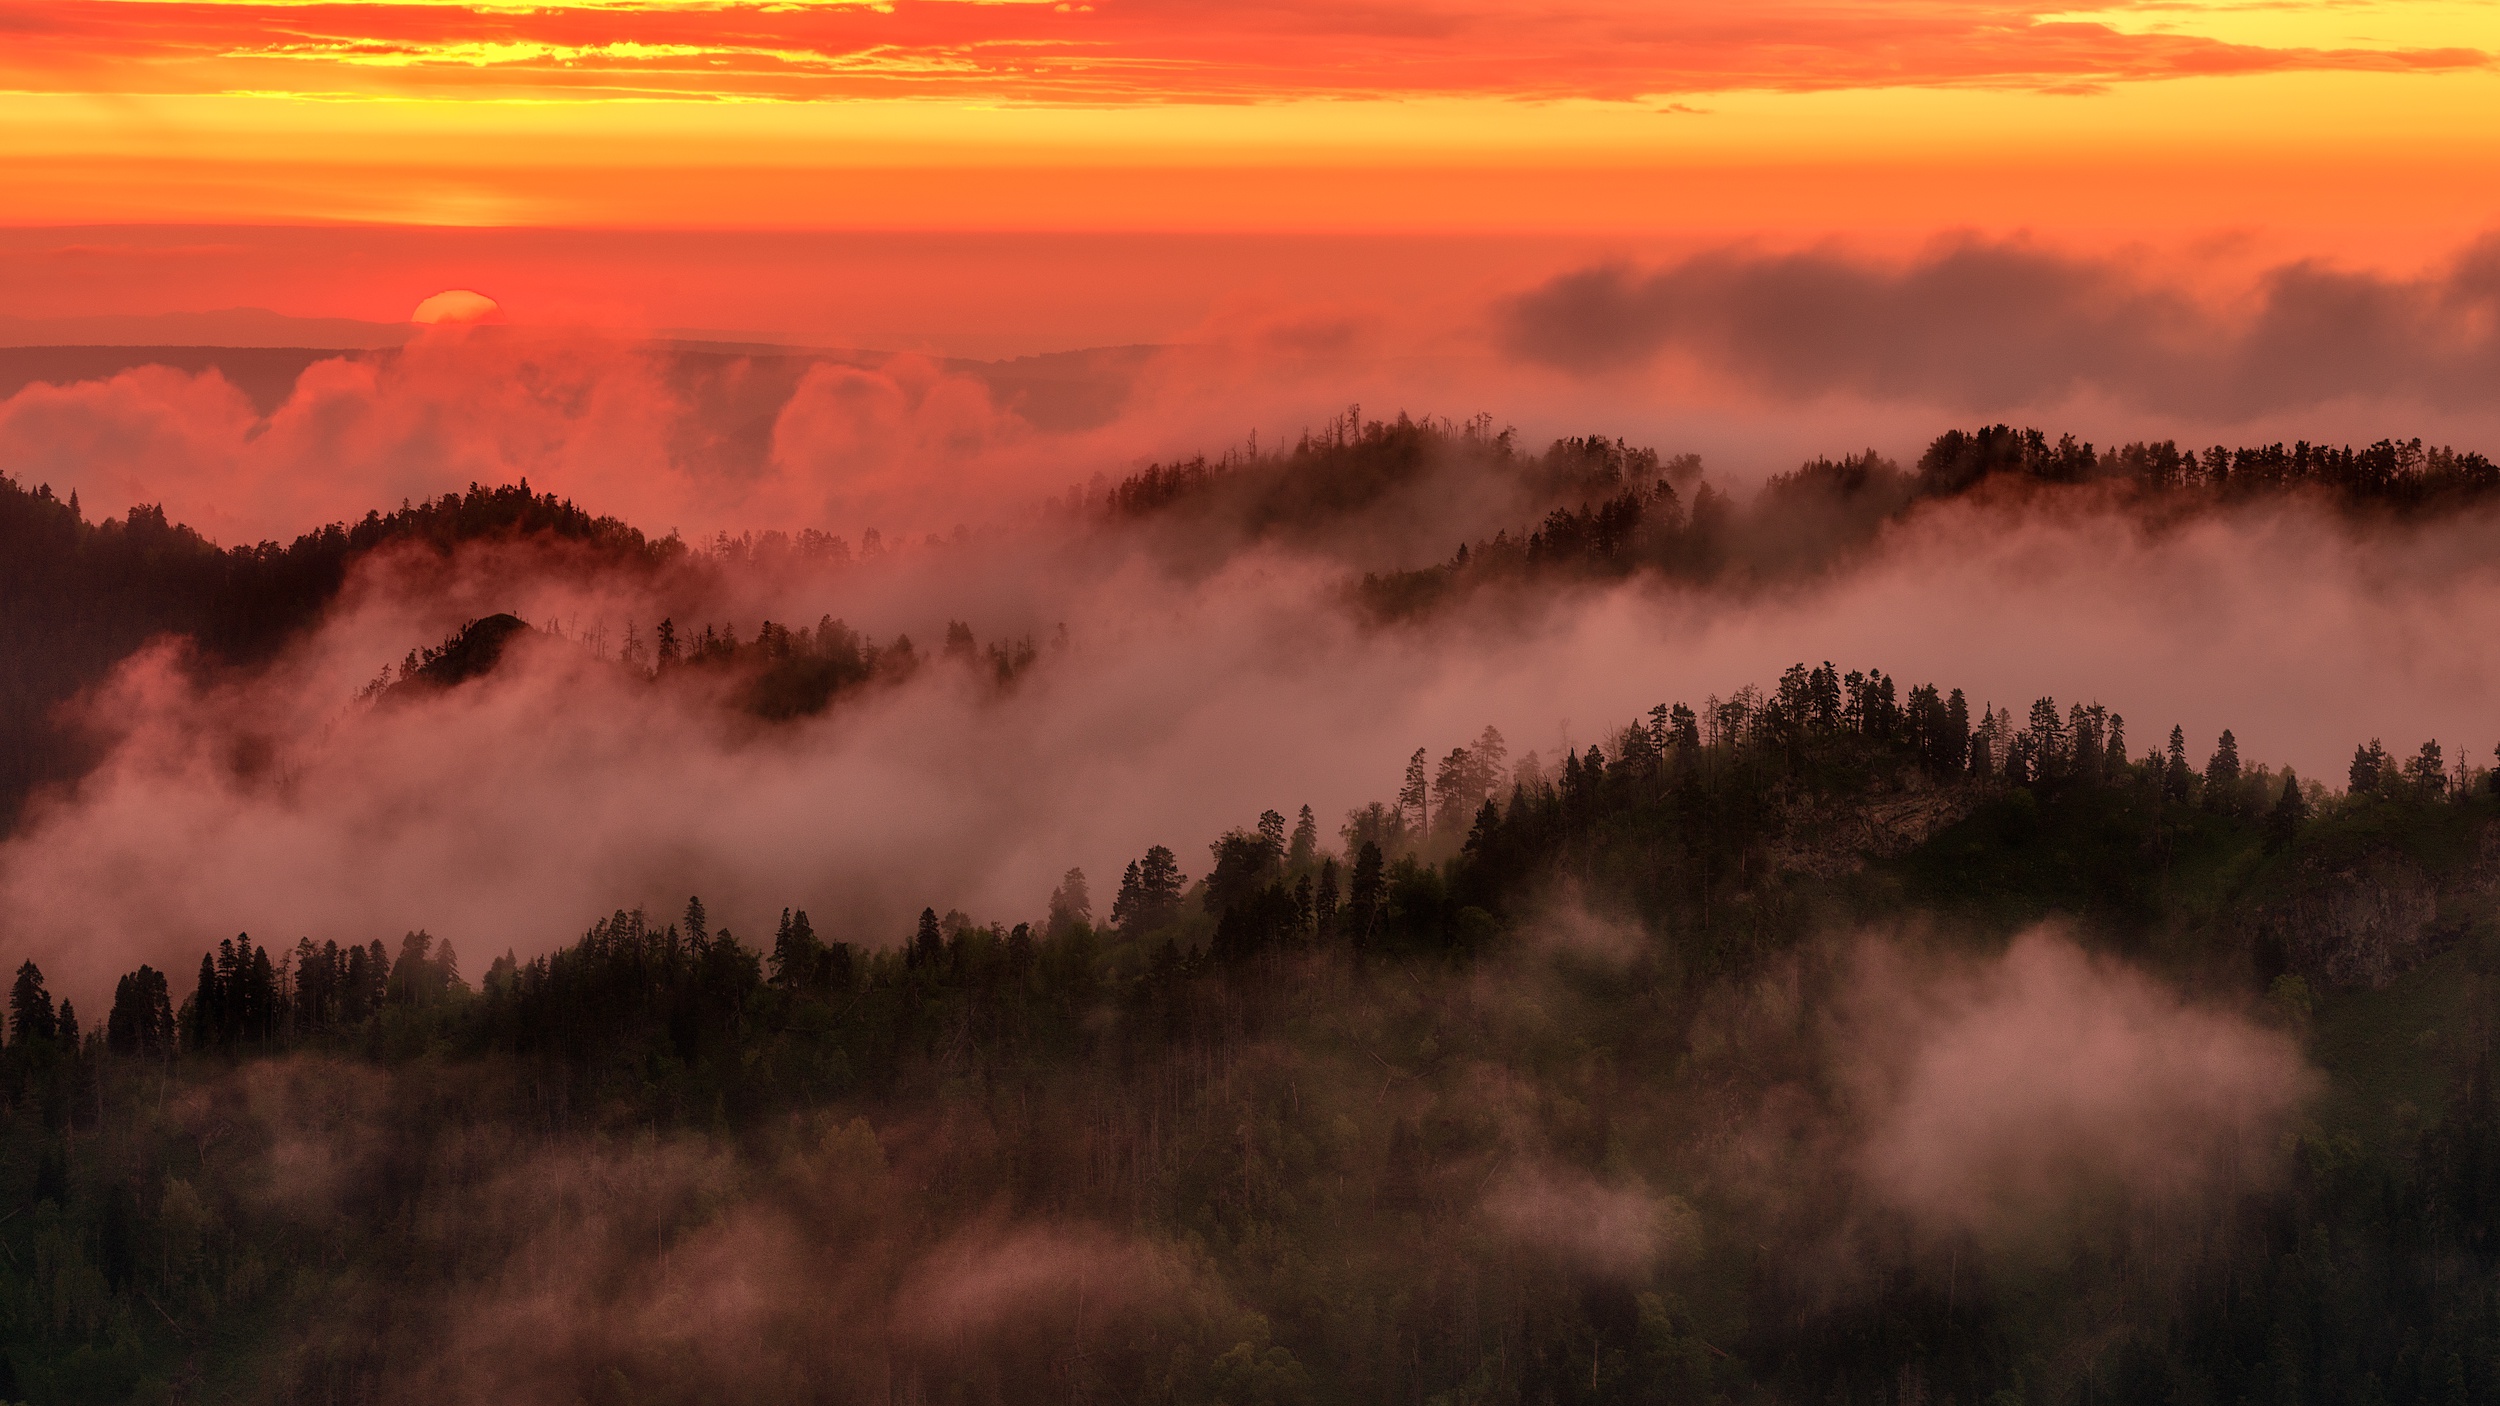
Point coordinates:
pixel 1513 1087
pixel 1607 510
pixel 78 596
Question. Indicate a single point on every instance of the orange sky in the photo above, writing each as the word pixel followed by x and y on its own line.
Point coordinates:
pixel 1432 114
pixel 2363 130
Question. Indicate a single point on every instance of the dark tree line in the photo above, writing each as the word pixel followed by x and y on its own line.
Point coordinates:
pixel 78 596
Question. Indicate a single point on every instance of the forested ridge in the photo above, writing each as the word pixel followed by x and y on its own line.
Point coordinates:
pixel 1530 1082
pixel 1250 1108
pixel 78 596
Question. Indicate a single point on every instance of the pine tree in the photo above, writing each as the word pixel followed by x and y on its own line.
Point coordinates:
pixel 1324 899
pixel 2222 774
pixel 355 991
pixel 2047 734
pixel 1684 728
pixel 1364 894
pixel 1272 830
pixel 1492 757
pixel 928 946
pixel 1128 904
pixel 1305 842
pixel 1412 795
pixel 1452 782
pixel 260 984
pixel 798 959
pixel 30 1008
pixel 2428 771
pixel 121 1029
pixel 2369 767
pixel 1070 905
pixel 2291 809
pixel 1159 884
pixel 2176 780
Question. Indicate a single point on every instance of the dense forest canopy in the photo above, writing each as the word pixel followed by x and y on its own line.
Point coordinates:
pixel 1260 1087
pixel 1842 1038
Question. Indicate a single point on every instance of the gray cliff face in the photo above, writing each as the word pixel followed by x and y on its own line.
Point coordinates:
pixel 2366 924
pixel 2360 927
pixel 1829 840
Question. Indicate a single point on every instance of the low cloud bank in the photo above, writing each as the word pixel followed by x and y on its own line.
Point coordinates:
pixel 1991 326
pixel 510 811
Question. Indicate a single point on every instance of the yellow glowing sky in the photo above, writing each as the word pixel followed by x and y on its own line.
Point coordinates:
pixel 1430 115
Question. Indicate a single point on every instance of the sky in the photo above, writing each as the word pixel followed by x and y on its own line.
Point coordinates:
pixel 148 140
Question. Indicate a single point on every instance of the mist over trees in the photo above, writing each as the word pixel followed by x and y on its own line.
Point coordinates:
pixel 1841 1038
pixel 1340 997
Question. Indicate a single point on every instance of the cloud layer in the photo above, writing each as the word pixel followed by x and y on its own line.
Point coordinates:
pixel 1997 326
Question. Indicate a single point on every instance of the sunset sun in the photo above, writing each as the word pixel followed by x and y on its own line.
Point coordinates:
pixel 457 307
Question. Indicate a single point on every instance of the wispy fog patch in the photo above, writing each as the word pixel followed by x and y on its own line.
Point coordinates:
pixel 1565 926
pixel 2002 1096
pixel 1608 1229
pixel 985 1283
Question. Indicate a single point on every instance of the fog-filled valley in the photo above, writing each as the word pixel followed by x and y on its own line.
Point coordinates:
pixel 1410 911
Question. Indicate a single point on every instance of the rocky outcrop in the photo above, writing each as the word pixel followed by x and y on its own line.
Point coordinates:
pixel 1830 838
pixel 2367 921
pixel 2363 926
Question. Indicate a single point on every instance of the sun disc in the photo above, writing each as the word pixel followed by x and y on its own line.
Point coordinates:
pixel 457 307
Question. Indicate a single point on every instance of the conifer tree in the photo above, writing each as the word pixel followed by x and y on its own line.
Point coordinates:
pixel 798 958
pixel 355 989
pixel 2428 771
pixel 2047 735
pixel 1159 884
pixel 1305 842
pixel 2369 767
pixel 1412 795
pixel 1364 894
pixel 205 1010
pixel 30 1008
pixel 927 945
pixel 2222 774
pixel 1126 905
pixel 1070 905
pixel 2291 809
pixel 1492 758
